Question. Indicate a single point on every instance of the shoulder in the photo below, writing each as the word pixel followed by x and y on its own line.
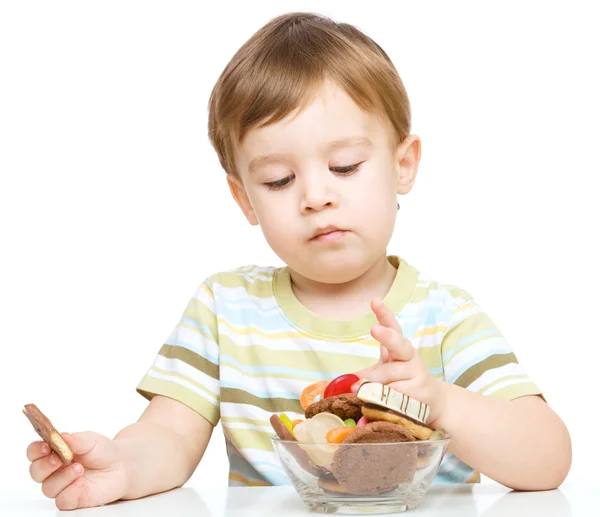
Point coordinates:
pixel 429 290
pixel 249 280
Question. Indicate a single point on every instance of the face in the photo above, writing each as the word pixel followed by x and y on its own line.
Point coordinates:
pixel 322 184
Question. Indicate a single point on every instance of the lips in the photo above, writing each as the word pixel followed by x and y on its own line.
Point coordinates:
pixel 326 230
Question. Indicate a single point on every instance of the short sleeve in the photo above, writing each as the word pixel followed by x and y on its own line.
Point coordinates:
pixel 476 356
pixel 187 366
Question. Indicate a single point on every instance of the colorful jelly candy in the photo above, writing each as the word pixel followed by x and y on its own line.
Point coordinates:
pixel 338 434
pixel 340 385
pixel 287 422
pixel 310 393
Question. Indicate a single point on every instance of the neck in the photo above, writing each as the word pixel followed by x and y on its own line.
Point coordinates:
pixel 346 300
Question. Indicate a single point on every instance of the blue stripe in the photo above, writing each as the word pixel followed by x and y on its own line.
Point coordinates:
pixel 436 371
pixel 482 357
pixel 470 339
pixel 193 323
pixel 276 478
pixel 275 369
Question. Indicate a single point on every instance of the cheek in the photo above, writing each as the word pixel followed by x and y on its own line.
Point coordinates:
pixel 273 214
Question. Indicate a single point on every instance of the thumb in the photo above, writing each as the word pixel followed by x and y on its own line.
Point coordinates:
pixel 81 443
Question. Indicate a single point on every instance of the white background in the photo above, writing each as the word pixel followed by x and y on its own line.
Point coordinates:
pixel 113 207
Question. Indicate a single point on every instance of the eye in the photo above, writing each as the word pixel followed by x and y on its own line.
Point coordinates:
pixel 348 169
pixel 279 184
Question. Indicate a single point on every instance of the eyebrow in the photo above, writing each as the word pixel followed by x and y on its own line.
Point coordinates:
pixel 269 159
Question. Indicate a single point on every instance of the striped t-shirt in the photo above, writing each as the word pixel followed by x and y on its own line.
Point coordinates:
pixel 245 348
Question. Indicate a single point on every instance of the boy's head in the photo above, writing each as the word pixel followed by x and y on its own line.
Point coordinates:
pixel 311 122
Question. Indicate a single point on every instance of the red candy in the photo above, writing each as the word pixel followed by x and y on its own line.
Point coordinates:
pixel 340 385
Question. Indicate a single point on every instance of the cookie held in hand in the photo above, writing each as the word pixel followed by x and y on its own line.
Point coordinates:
pixel 48 433
pixel 383 403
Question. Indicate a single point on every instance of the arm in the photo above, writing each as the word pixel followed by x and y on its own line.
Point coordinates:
pixel 163 448
pixel 522 443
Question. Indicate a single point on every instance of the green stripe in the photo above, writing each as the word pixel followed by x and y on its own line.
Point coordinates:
pixel 191 358
pixel 515 391
pixel 150 386
pixel 251 439
pixel 473 324
pixel 200 313
pixel 242 420
pixel 302 360
pixel 271 405
pixel 489 363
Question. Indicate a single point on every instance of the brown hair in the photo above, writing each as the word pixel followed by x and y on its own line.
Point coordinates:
pixel 279 67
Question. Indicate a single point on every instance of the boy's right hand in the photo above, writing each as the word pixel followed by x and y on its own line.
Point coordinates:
pixel 97 475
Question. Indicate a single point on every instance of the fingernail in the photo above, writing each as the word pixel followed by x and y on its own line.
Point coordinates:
pixel 53 460
pixel 78 469
pixel 45 449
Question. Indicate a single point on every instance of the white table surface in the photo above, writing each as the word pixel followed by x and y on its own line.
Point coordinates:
pixel 489 500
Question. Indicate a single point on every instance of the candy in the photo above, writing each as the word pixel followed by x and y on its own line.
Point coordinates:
pixel 311 435
pixel 340 385
pixel 295 423
pixel 363 420
pixel 286 422
pixel 349 422
pixel 310 393
pixel 338 434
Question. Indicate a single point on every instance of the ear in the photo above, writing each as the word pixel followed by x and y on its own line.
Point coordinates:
pixel 241 198
pixel 408 155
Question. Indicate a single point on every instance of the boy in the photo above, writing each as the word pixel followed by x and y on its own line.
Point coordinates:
pixel 311 123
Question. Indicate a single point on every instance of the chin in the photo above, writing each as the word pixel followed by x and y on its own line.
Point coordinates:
pixel 334 268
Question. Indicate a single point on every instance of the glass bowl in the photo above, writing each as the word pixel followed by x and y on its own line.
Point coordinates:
pixel 353 478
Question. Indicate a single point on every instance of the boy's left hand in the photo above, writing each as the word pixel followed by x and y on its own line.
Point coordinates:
pixel 400 366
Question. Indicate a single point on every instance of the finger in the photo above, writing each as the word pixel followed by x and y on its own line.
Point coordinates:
pixel 68 499
pixel 40 469
pixel 384 316
pixel 391 372
pixel 61 479
pixel 81 443
pixel 398 347
pixel 37 450
pixel 384 355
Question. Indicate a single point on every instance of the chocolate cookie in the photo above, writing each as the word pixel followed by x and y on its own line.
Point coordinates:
pixel 48 433
pixel 330 484
pixel 418 430
pixel 362 467
pixel 345 406
pixel 295 450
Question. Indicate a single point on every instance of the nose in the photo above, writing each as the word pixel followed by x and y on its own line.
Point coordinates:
pixel 316 195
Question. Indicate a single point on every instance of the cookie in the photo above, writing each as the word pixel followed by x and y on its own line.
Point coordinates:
pixel 361 467
pixel 345 406
pixel 48 433
pixel 373 412
pixel 295 450
pixel 280 428
pixel 330 484
pixel 384 403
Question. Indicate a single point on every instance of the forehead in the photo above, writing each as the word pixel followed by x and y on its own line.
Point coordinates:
pixel 329 117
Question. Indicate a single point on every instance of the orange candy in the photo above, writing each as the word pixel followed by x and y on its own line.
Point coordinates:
pixel 338 434
pixel 310 393
pixel 295 423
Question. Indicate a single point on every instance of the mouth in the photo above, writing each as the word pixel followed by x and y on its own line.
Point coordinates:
pixel 328 233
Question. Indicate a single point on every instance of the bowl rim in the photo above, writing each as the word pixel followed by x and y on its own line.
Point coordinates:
pixel 437 441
